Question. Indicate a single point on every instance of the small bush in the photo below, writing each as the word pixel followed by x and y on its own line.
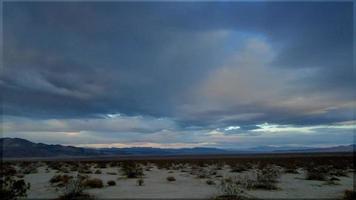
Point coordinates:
pixel 238 168
pixel 349 195
pixel 13 189
pixel 111 183
pixel 132 170
pixel 210 182
pixel 171 178
pixel 230 189
pixel 74 190
pixel 93 183
pixel 97 171
pixel 338 172
pixel 140 182
pixel 64 179
pixel 291 170
pixel 267 178
pixel 317 173
pixel 111 173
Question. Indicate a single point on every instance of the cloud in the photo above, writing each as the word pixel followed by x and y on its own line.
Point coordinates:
pixel 174 71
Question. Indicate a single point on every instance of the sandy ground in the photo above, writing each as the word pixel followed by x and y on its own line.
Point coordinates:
pixel 187 186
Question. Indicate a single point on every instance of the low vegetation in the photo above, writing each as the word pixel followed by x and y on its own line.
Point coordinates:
pixel 12 188
pixel 111 183
pixel 349 195
pixel 60 180
pixel 231 189
pixel 132 170
pixel 140 182
pixel 171 178
pixel 93 183
pixel 75 190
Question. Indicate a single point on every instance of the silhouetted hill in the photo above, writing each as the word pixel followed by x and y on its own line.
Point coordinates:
pixel 17 148
pixel 21 148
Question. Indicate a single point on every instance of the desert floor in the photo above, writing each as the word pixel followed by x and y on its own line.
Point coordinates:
pixel 188 186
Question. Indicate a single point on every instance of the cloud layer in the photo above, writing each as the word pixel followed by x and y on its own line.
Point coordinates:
pixel 179 73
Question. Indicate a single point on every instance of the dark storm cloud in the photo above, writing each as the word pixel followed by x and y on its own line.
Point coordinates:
pixel 65 60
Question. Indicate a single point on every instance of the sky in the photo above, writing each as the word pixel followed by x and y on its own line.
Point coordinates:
pixel 179 74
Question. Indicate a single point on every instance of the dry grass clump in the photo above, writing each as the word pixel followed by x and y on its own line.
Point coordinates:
pixel 111 183
pixel 93 183
pixel 171 178
pixel 132 170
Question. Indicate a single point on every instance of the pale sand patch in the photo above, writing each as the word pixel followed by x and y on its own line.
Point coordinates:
pixel 187 186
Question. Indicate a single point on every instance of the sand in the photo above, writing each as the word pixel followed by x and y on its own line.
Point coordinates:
pixel 187 186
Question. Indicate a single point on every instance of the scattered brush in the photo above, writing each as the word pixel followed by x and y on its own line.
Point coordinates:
pixel 97 171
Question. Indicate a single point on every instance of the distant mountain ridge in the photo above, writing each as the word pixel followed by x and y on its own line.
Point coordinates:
pixel 21 148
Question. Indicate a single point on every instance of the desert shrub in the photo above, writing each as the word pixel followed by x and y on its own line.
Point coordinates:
pixel 13 189
pixel 332 181
pixel 101 165
pixel 132 170
pixel 319 173
pixel 74 190
pixel 97 171
pixel 60 179
pixel 93 183
pixel 210 182
pixel 238 168
pixel 7 170
pixel 338 172
pixel 111 183
pixel 171 178
pixel 267 177
pixel 111 173
pixel 30 169
pixel 349 195
pixel 140 182
pixel 291 170
pixel 230 189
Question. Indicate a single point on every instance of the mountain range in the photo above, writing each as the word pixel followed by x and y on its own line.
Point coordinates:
pixel 21 148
